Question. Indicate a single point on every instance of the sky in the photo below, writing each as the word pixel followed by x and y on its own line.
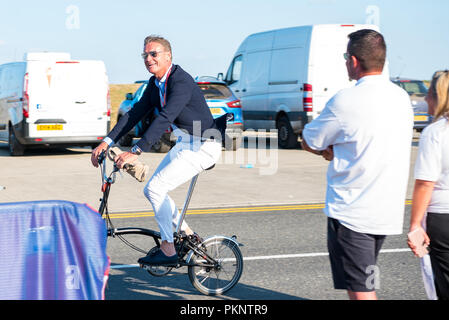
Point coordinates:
pixel 205 34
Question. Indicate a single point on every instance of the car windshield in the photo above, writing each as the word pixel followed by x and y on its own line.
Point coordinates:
pixel 215 91
pixel 414 87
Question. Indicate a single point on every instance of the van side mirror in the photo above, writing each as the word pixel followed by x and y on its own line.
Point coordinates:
pixel 129 96
pixel 220 76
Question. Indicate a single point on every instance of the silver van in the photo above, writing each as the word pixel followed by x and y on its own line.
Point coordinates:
pixel 285 77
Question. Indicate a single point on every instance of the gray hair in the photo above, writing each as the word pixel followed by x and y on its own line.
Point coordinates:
pixel 161 40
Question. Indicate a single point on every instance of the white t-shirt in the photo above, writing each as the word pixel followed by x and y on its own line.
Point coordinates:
pixel 370 127
pixel 432 163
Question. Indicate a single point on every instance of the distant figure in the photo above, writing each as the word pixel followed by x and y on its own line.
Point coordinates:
pixel 366 132
pixel 431 193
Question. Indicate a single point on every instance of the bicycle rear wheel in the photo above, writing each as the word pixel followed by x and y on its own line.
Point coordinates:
pixel 226 272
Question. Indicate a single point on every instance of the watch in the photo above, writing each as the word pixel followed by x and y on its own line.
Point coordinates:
pixel 136 150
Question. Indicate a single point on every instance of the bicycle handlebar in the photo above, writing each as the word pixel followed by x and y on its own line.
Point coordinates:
pixel 101 157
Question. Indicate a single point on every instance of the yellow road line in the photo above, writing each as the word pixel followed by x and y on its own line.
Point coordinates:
pixel 229 210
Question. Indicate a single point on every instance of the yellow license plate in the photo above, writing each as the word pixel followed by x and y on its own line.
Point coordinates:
pixel 216 110
pixel 46 127
pixel 421 118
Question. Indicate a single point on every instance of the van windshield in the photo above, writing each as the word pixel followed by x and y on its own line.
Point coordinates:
pixel 215 91
pixel 414 87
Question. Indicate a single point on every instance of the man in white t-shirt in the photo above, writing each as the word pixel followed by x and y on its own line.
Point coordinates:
pixel 365 132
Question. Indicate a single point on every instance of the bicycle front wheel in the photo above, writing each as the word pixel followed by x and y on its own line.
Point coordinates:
pixel 218 279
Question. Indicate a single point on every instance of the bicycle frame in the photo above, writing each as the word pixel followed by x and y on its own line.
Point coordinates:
pixel 112 232
pixel 190 253
pixel 107 182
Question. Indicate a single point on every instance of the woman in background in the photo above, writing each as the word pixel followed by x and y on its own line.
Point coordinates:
pixel 431 191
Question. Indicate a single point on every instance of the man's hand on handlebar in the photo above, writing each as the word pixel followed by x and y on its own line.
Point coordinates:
pixel 125 158
pixel 96 153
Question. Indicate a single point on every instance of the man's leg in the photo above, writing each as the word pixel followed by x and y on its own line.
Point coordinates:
pixel 179 166
pixel 173 171
pixel 353 259
pixel 362 295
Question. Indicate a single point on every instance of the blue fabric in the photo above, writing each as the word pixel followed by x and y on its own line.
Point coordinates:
pixel 52 250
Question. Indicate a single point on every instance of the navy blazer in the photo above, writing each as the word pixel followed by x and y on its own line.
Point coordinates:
pixel 185 104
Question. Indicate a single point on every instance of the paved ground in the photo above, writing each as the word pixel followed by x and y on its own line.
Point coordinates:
pixel 249 176
pixel 285 258
pixel 292 238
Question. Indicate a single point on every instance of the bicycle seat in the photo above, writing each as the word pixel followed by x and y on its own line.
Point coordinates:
pixel 211 167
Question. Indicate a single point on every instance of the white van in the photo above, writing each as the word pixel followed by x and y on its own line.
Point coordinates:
pixel 285 77
pixel 52 100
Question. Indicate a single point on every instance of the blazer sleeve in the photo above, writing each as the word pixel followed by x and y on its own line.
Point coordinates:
pixel 133 116
pixel 179 94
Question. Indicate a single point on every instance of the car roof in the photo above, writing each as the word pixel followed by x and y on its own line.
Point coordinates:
pixel 197 80
pixel 403 79
pixel 209 79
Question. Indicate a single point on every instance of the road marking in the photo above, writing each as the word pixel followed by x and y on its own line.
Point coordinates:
pixel 229 210
pixel 280 256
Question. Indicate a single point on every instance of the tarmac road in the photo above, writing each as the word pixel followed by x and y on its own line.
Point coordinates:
pixel 250 176
pixel 247 178
pixel 285 258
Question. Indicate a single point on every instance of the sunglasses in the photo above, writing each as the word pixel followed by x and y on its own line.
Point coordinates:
pixel 153 54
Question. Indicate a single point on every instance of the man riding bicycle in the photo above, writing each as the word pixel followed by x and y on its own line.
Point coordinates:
pixel 180 105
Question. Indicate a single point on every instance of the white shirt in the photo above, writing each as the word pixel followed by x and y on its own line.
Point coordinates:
pixel 161 85
pixel 432 163
pixel 370 127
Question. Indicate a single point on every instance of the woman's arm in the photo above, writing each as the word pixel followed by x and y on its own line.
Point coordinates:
pixel 422 194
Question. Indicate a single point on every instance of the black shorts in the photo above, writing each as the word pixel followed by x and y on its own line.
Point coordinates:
pixel 353 257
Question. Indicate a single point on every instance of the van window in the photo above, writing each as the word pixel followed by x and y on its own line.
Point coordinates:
pixel 287 65
pixel 414 87
pixel 233 74
pixel 257 66
pixel 215 91
pixel 8 79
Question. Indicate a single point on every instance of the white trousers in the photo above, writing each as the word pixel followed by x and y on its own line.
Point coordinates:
pixel 182 163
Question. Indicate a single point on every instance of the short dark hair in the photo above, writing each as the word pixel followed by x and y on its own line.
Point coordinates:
pixel 369 47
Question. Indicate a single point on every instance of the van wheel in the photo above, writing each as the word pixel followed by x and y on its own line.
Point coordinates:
pixel 287 139
pixel 15 148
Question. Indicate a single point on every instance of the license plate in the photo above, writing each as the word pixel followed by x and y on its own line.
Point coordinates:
pixel 216 110
pixel 421 118
pixel 46 127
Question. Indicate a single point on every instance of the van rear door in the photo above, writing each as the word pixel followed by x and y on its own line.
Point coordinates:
pixel 68 99
pixel 327 66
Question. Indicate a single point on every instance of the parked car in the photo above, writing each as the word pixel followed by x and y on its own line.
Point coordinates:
pixel 285 77
pixel 167 140
pixel 50 99
pixel 220 100
pixel 417 91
